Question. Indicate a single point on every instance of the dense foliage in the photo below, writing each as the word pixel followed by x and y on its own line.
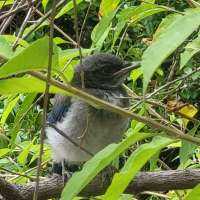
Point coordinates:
pixel 163 35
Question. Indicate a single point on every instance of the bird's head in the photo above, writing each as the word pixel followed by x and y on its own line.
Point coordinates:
pixel 104 71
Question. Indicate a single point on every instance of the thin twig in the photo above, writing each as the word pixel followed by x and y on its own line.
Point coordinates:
pixel 15 11
pixel 59 30
pixel 46 98
pixel 193 3
pixel 78 41
pixel 7 21
pixel 166 85
pixel 42 19
pixel 76 29
pixel 84 21
pixel 172 82
pixel 22 28
pixel 122 38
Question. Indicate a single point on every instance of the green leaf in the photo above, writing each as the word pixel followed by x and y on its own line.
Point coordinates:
pixel 101 30
pixel 31 27
pixel 8 109
pixel 118 29
pixel 91 168
pixel 4 140
pixel 187 148
pixel 5 49
pixel 34 57
pixel 108 6
pixel 148 1
pixel 194 194
pixel 168 41
pixel 11 39
pixel 167 21
pixel 8 2
pixel 25 85
pixel 69 54
pixel 133 165
pixel 190 50
pixel 59 40
pixel 6 42
pixel 24 154
pixel 135 74
pixel 67 8
pixel 21 112
pixel 4 151
pixel 36 151
pixel 134 14
pixel 44 3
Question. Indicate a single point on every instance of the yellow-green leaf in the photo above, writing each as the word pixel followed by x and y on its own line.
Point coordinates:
pixel 34 57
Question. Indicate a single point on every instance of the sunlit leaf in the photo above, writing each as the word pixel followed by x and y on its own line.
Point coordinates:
pixel 8 109
pixel 135 74
pixel 190 50
pixel 108 6
pixel 25 85
pixel 44 3
pixel 11 39
pixel 134 14
pixel 194 194
pixel 24 154
pixel 148 2
pixel 4 151
pixel 102 29
pixel 70 54
pixel 4 140
pixel 187 148
pixel 5 48
pixel 29 28
pixel 22 112
pixel 133 165
pixel 59 40
pixel 67 8
pixel 80 179
pixel 4 3
pixel 34 57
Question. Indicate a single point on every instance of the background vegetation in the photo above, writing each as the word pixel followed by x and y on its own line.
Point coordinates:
pixel 163 35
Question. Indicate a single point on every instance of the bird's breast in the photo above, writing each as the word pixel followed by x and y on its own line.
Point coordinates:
pixel 91 129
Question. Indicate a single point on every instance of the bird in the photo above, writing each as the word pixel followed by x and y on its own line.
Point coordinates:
pixel 89 129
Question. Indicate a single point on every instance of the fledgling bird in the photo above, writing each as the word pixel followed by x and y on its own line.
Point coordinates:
pixel 92 129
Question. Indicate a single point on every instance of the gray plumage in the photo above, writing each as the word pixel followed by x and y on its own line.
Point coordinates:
pixel 92 128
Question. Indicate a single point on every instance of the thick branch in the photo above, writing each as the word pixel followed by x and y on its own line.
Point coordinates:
pixel 144 181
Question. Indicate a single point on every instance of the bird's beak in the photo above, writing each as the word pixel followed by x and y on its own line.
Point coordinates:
pixel 128 67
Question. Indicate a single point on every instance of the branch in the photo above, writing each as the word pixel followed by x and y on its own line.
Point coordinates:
pixel 94 101
pixel 172 82
pixel 14 11
pixel 46 97
pixel 42 19
pixel 58 29
pixel 144 181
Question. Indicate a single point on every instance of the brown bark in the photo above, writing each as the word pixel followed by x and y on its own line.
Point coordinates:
pixel 144 181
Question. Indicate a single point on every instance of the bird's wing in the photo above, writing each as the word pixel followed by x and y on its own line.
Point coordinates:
pixel 60 108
